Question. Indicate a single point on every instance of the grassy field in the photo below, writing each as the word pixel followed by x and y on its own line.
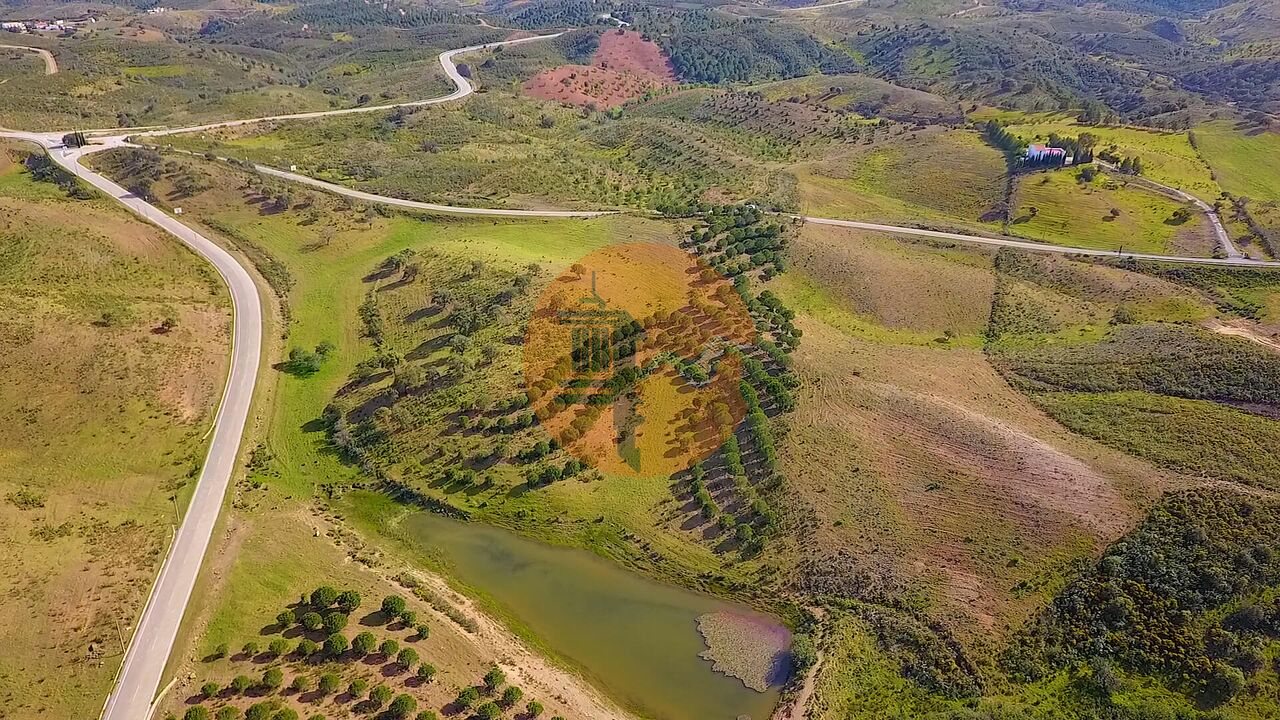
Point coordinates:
pixel 1167 157
pixel 864 95
pixel 19 64
pixel 907 176
pixel 148 79
pixel 105 411
pixel 1241 158
pixel 1059 207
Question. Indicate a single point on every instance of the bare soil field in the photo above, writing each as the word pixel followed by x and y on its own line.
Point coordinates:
pixel 624 66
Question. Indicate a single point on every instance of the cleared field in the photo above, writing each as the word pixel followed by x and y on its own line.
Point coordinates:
pixel 624 66
pixel 867 274
pixel 1108 213
pixel 1243 158
pixel 935 174
pixel 115 352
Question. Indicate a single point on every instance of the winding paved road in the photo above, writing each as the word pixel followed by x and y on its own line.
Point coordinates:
pixel 50 64
pixel 157 630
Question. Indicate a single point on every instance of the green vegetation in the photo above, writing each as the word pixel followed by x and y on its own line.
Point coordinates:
pixel 398 690
pixel 115 341
pixel 1175 597
pixel 1106 212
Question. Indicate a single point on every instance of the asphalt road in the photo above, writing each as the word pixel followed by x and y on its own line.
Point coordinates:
pixel 50 64
pixel 1237 261
pixel 463 88
pixel 157 630
pixel 153 640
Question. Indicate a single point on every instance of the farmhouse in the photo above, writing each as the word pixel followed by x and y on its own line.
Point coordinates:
pixel 1044 152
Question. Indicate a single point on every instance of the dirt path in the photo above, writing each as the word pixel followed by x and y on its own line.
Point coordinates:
pixel 797 706
pixel 1238 330
pixel 50 64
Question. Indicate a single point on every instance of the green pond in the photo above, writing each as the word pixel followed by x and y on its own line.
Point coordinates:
pixel 636 639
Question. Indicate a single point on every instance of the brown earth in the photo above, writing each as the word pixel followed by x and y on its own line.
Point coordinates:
pixel 624 66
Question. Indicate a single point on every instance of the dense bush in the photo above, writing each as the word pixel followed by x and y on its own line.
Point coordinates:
pixel 1164 359
pixel 1150 603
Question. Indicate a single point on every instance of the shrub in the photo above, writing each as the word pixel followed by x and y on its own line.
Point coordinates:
pixel 278 647
pixel 392 606
pixel 285 714
pixel 241 683
pixel 209 689
pixel 380 695
pixel 221 651
pixel 227 712
pixel 272 678
pixel 408 617
pixel 196 712
pixel 250 649
pixel 467 698
pixel 426 671
pixel 259 711
pixel 306 647
pixel 357 688
pixel 364 643
pixel 423 630
pixel 286 618
pixel 335 622
pixel 335 644
pixel 494 678
pixel 488 711
pixel 533 709
pixel 301 683
pixel 407 658
pixel 348 601
pixel 511 696
pixel 389 647
pixel 312 621
pixel 329 683
pixel 402 706
pixel 427 715
pixel 323 596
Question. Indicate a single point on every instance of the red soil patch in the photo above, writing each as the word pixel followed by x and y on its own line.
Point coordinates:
pixel 630 52
pixel 624 66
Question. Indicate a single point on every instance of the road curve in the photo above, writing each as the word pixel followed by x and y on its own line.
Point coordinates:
pixel 463 88
pixel 1220 232
pixel 50 64
pixel 431 207
pixel 153 640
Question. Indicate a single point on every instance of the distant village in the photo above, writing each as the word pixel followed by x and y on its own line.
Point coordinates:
pixel 34 26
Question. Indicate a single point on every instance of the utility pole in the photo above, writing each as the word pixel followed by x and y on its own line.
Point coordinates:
pixel 119 635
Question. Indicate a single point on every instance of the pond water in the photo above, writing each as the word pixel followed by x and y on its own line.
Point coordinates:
pixel 636 639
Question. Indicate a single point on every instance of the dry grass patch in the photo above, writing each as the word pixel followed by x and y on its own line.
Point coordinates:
pixel 102 416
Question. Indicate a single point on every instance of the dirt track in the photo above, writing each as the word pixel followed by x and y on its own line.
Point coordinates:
pixel 50 63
